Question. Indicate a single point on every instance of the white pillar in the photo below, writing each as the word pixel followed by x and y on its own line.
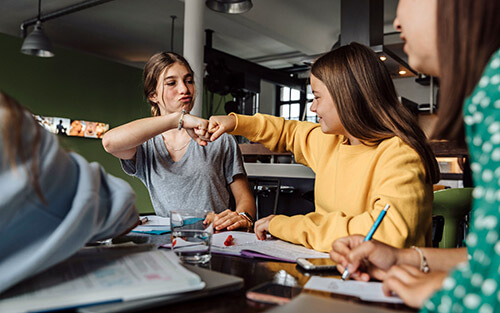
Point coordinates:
pixel 194 45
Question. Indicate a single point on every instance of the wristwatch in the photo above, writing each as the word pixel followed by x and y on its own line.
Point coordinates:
pixel 248 217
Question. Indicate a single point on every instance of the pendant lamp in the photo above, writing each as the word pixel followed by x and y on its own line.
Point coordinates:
pixel 37 43
pixel 229 6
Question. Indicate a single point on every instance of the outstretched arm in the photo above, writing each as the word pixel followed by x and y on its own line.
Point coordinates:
pixel 122 141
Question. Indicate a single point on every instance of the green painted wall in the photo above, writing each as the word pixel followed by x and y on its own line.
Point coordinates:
pixel 218 103
pixel 78 86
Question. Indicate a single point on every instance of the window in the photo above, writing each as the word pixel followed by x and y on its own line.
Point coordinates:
pixel 289 104
pixel 310 116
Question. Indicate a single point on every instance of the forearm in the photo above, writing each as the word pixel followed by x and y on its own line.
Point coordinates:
pixel 437 259
pixel 313 230
pixel 133 134
pixel 247 206
pixel 267 130
pixel 305 140
pixel 245 125
pixel 319 230
pixel 244 199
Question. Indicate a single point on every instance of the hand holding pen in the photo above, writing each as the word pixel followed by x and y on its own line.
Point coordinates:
pixel 369 236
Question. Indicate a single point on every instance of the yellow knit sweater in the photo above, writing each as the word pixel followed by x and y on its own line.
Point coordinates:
pixel 353 184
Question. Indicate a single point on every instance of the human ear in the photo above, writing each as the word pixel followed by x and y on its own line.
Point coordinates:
pixel 153 97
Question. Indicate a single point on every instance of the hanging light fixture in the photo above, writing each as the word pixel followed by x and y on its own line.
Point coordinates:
pixel 37 43
pixel 229 6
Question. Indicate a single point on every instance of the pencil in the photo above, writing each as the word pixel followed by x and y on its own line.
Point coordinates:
pixel 369 236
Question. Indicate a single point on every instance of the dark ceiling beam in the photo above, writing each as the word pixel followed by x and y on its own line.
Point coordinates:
pixel 362 21
pixel 278 56
pixel 61 12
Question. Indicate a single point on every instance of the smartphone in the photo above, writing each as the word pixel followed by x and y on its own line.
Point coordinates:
pixel 317 264
pixel 273 293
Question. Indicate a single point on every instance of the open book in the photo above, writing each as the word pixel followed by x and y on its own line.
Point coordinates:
pixel 247 245
pixel 100 276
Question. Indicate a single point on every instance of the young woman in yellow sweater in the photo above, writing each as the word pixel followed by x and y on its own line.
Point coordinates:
pixel 367 151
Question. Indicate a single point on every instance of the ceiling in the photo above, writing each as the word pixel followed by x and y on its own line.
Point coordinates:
pixel 274 33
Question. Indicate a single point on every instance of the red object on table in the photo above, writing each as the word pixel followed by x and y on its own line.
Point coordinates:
pixel 229 241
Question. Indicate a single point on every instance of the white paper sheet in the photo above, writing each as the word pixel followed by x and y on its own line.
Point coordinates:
pixel 367 291
pixel 155 220
pixel 155 224
pixel 239 238
pixel 276 248
pixel 101 278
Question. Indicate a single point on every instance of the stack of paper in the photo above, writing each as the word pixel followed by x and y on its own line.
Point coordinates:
pixel 92 278
pixel 154 225
pixel 247 245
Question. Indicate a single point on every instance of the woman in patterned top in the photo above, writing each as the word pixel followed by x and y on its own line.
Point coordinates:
pixel 464 54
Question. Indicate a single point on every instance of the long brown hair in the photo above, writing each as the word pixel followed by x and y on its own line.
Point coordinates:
pixel 152 71
pixel 468 33
pixel 366 101
pixel 15 151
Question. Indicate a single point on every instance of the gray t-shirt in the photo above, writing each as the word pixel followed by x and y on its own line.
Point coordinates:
pixel 200 179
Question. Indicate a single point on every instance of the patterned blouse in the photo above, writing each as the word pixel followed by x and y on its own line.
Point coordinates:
pixel 474 287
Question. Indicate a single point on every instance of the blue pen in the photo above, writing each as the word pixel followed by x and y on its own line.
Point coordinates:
pixel 346 273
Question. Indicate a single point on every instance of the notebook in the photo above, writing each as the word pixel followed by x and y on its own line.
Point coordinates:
pixel 215 283
pixel 102 275
pixel 247 245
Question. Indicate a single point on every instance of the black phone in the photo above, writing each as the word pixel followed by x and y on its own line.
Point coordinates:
pixel 273 293
pixel 317 264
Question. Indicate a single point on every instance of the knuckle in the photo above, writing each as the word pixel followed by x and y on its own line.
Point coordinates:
pixel 351 255
pixel 370 244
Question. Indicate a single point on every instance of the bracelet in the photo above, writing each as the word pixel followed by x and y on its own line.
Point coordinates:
pixel 424 266
pixel 181 120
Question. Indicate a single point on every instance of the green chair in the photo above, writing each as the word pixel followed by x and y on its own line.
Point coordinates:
pixel 454 205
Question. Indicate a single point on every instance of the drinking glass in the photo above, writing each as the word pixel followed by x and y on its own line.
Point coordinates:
pixel 192 234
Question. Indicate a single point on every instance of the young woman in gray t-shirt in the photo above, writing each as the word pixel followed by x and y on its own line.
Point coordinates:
pixel 162 152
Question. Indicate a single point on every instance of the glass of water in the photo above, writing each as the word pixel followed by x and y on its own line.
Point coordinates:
pixel 192 234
